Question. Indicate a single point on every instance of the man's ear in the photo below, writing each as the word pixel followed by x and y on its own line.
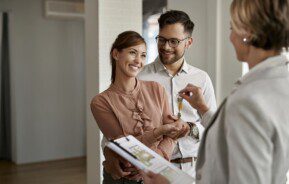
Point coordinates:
pixel 115 54
pixel 189 42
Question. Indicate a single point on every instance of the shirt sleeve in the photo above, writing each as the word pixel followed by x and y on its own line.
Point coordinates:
pixel 207 117
pixel 105 118
pixel 148 138
pixel 209 94
pixel 210 99
pixel 249 135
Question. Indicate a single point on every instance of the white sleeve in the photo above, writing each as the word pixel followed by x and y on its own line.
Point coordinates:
pixel 209 94
pixel 207 117
pixel 210 99
pixel 200 128
pixel 103 142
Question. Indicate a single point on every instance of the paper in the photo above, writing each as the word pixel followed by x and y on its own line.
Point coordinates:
pixel 146 159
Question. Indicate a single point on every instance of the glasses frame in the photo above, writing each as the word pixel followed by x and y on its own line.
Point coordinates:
pixel 168 40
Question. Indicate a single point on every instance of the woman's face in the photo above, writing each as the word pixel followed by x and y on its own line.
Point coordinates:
pixel 130 61
pixel 241 48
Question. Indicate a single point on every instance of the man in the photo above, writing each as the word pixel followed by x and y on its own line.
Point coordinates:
pixel 172 71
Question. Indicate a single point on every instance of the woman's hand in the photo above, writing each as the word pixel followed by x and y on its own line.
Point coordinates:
pixel 113 163
pixel 195 97
pixel 166 129
pixel 182 126
pixel 134 173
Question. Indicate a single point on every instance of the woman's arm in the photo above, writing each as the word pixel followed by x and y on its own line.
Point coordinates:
pixel 109 125
pixel 105 118
pixel 250 146
pixel 167 145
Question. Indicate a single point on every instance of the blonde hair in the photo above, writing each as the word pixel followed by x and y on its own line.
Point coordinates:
pixel 265 21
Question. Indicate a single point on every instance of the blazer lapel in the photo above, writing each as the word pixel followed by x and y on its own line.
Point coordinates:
pixel 202 144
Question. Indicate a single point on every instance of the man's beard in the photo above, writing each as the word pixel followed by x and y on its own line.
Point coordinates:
pixel 172 60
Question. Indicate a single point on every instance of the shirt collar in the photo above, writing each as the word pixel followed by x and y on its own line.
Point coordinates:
pixel 160 67
pixel 268 63
pixel 134 92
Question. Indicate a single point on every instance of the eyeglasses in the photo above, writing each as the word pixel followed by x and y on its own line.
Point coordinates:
pixel 173 42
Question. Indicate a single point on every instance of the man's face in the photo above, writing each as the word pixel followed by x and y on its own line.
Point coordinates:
pixel 168 54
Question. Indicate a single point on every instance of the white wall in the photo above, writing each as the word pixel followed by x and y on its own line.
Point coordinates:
pixel 104 20
pixel 196 55
pixel 229 69
pixel 93 155
pixel 47 84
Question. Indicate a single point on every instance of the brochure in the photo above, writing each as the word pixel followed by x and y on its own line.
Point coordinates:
pixel 146 159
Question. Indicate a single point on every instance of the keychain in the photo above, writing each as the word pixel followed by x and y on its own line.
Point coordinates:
pixel 180 106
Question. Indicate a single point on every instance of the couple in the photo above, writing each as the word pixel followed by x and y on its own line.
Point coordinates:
pixel 144 109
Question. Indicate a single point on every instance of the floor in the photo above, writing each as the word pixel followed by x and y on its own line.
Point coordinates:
pixel 69 171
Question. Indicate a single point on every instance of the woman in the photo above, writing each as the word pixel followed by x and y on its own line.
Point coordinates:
pixel 131 106
pixel 247 139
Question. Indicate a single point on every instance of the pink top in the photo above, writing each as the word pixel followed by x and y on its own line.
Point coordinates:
pixel 136 113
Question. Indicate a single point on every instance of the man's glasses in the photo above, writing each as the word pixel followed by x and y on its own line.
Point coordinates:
pixel 173 42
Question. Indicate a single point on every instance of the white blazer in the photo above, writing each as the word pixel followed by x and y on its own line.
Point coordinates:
pixel 247 140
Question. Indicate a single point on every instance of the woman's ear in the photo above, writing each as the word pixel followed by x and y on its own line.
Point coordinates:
pixel 247 38
pixel 189 42
pixel 115 54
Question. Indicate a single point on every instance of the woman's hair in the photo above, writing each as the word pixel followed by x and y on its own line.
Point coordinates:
pixel 124 40
pixel 266 22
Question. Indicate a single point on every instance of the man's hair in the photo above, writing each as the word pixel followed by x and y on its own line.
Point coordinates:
pixel 176 16
pixel 266 21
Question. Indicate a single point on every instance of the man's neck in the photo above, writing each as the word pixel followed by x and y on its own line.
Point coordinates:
pixel 175 67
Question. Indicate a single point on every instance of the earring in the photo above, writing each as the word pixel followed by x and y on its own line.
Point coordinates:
pixel 245 40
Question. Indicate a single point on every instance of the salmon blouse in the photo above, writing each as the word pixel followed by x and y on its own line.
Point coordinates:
pixel 138 113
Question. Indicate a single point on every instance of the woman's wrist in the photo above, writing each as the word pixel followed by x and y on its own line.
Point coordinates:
pixel 203 109
pixel 158 132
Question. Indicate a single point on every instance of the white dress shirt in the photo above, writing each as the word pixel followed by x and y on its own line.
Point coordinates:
pixel 156 71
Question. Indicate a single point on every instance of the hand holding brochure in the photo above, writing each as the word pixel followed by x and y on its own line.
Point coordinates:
pixel 146 159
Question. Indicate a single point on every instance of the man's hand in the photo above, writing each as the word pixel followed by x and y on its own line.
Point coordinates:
pixel 152 178
pixel 195 97
pixel 113 163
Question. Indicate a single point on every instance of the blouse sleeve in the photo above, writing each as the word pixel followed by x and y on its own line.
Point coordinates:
pixel 167 145
pixel 105 118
